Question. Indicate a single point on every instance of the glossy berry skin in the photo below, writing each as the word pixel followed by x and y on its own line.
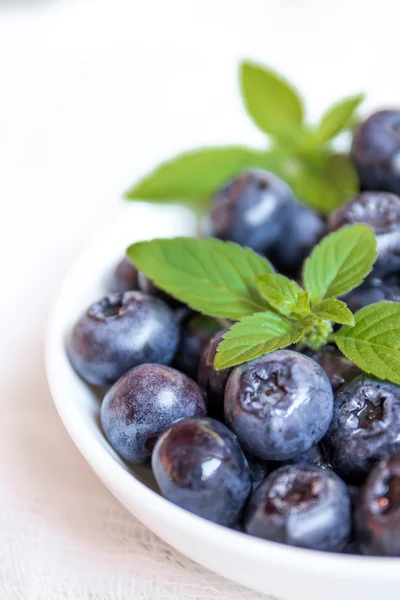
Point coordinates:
pixel 373 291
pixel 302 231
pixel 196 333
pixel 376 152
pixel 278 405
pixel 378 510
pixel 381 211
pixel 212 381
pixel 365 427
pixel 199 465
pixel 124 277
pixel 119 332
pixel 251 210
pixel 301 506
pixel 142 404
pixel 339 369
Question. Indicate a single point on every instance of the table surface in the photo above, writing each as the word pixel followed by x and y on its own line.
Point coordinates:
pixel 92 94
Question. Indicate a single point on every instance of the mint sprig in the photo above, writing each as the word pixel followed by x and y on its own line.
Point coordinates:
pixel 284 295
pixel 272 103
pixel 298 152
pixel 373 343
pixel 340 262
pixel 224 280
pixel 214 277
pixel 194 175
pixel 256 335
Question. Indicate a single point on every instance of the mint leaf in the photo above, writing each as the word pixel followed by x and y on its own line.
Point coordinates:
pixel 283 294
pixel 254 336
pixel 340 262
pixel 337 117
pixel 324 187
pixel 334 310
pixel 211 276
pixel 271 102
pixel 373 344
pixel 197 174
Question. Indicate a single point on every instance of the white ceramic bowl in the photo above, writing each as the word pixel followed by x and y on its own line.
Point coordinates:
pixel 281 571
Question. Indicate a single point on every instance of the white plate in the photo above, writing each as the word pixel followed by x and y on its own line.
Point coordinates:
pixel 281 571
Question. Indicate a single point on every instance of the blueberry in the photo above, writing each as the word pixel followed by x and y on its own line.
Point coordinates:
pixel 212 381
pixel 301 232
pixel 251 210
pixel 376 152
pixel 119 332
pixel 199 465
pixel 373 291
pixel 196 333
pixel 278 405
pixel 378 511
pixel 339 369
pixel 365 426
pixel 301 506
pixel 124 277
pixel 142 404
pixel 381 211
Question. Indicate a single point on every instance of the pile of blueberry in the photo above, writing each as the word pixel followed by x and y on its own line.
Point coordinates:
pixel 295 447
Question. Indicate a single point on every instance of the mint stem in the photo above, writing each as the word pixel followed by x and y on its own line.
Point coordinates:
pixel 225 324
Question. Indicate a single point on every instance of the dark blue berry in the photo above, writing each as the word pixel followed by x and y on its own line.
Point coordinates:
pixel 196 333
pixel 199 465
pixel 118 333
pixel 278 405
pixel 339 369
pixel 378 510
pixel 376 151
pixel 381 211
pixel 251 210
pixel 142 404
pixel 372 291
pixel 365 426
pixel 124 277
pixel 212 381
pixel 301 506
pixel 303 229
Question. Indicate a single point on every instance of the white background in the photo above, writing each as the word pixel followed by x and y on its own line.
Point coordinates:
pixel 93 93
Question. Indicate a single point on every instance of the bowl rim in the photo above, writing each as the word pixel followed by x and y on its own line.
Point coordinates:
pixel 115 476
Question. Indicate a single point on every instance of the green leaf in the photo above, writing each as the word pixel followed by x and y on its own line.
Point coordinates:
pixel 214 277
pixel 340 262
pixel 283 294
pixel 324 187
pixel 337 117
pixel 254 336
pixel 334 310
pixel 303 306
pixel 373 344
pixel 271 102
pixel 197 174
